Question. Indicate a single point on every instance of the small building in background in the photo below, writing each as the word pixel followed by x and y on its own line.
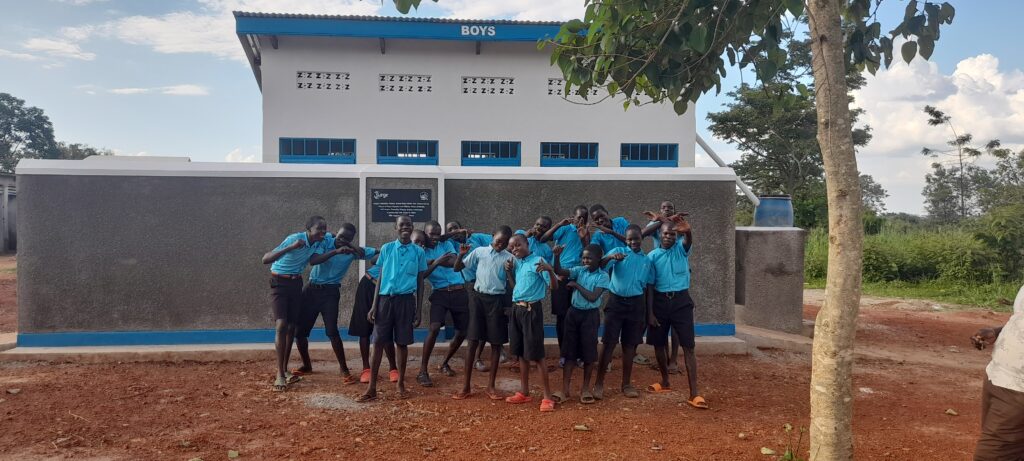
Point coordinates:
pixel 8 213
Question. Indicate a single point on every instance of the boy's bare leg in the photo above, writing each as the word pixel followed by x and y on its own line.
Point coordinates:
pixel 428 348
pixel 524 376
pixel 403 358
pixel 389 351
pixel 290 339
pixel 280 343
pixel 479 364
pixel 588 371
pixel 371 390
pixel 339 353
pixel 690 361
pixel 661 355
pixel 607 352
pixel 570 366
pixel 493 373
pixel 364 350
pixel 673 362
pixel 628 352
pixel 543 379
pixel 470 358
pixel 302 344
pixel 453 347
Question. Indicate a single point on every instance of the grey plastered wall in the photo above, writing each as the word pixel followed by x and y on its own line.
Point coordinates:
pixel 770 277
pixel 161 252
pixel 484 204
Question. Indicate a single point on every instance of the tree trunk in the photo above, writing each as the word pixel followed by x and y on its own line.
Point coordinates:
pixel 831 434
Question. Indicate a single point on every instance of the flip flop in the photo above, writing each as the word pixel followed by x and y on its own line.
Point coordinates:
pixel 698 402
pixel 424 380
pixel 656 388
pixel 292 378
pixel 481 366
pixel 348 379
pixel 301 372
pixel 495 396
pixel 364 377
pixel 587 398
pixel 366 398
pixel 447 370
pixel 519 398
pixel 641 360
pixel 461 395
pixel 599 392
pixel 402 395
pixel 631 392
pixel 280 384
pixel 547 405
pixel 559 397
pixel 673 369
pixel 393 376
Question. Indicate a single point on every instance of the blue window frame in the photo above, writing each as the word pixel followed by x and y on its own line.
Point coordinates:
pixel 649 155
pixel 491 153
pixel 406 152
pixel 317 150
pixel 568 154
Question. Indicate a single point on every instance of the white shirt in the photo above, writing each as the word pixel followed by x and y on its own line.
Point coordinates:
pixel 1006 369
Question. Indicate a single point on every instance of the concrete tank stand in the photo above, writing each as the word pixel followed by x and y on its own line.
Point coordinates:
pixel 770 277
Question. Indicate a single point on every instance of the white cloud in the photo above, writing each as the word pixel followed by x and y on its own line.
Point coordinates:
pixel 980 98
pixel 58 48
pixel 173 90
pixel 19 56
pixel 236 155
pixel 80 2
pixel 536 10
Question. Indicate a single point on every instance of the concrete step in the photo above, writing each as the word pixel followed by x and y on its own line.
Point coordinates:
pixel 706 345
pixel 771 339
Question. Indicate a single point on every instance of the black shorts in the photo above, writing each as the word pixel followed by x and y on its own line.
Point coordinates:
pixel 561 298
pixel 673 310
pixel 286 298
pixel 359 326
pixel 319 300
pixel 395 316
pixel 580 341
pixel 526 332
pixel 456 302
pixel 625 318
pixel 487 319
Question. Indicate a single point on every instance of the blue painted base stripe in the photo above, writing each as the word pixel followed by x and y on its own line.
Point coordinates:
pixel 178 337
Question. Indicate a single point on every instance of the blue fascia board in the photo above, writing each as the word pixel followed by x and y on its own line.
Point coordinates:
pixel 334 159
pixel 179 337
pixel 649 163
pixel 327 27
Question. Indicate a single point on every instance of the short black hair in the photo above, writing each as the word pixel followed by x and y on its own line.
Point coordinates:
pixel 547 219
pixel 315 221
pixel 518 235
pixel 399 218
pixel 504 230
pixel 431 223
pixel 581 207
pixel 635 227
pixel 598 206
pixel 348 226
pixel 458 224
pixel 595 250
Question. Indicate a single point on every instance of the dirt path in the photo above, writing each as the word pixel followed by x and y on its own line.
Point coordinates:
pixel 190 410
pixel 8 294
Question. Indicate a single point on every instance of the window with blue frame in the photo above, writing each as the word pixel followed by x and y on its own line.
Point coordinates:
pixel 317 150
pixel 406 152
pixel 490 153
pixel 568 154
pixel 649 155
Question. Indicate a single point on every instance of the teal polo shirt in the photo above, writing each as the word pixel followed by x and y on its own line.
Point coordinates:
pixel 609 242
pixel 374 271
pixel 630 276
pixel 400 264
pixel 590 280
pixel 530 286
pixel 568 238
pixel 331 272
pixel 294 262
pixel 475 240
pixel 671 267
pixel 537 247
pixel 489 267
pixel 442 277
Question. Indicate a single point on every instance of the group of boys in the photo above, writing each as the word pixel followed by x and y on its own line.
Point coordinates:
pixel 493 286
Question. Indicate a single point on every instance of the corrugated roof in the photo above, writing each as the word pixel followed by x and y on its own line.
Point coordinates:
pixel 249 14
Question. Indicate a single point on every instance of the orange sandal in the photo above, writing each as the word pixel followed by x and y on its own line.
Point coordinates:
pixel 698 402
pixel 364 377
pixel 547 405
pixel 349 379
pixel 656 388
pixel 518 398
pixel 393 376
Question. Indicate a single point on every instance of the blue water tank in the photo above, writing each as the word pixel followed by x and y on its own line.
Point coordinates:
pixel 774 211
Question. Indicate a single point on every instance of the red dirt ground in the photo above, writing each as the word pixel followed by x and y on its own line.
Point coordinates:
pixel 203 410
pixel 8 294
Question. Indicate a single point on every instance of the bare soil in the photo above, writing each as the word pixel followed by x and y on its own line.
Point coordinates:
pixel 920 365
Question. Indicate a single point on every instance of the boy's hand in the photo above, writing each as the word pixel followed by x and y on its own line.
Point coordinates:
pixel 509 265
pixel 557 250
pixel 572 285
pixel 983 338
pixel 463 249
pixel 652 321
pixel 652 216
pixel 543 266
pixel 448 258
pixel 343 251
pixel 372 316
pixel 617 256
pixel 416 319
pixel 565 221
pixel 297 244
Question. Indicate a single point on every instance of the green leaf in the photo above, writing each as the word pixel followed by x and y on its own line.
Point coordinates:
pixel 697 39
pixel 732 56
pixel 926 46
pixel 911 10
pixel 795 7
pixel 946 13
pixel 909 50
pixel 681 106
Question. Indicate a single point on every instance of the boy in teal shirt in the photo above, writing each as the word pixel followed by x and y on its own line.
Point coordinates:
pixel 288 261
pixel 529 276
pixel 589 283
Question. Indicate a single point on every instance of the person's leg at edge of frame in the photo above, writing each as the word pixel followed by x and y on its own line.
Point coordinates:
pixel 371 390
pixel 492 374
pixel 628 353
pixel 402 358
pixel 423 377
pixel 603 359
pixel 1002 424
pixel 567 369
pixel 480 365
pixel 280 341
pixel 453 347
pixel 468 376
pixel 330 317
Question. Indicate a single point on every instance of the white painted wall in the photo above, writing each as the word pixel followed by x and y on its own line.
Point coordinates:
pixel 529 116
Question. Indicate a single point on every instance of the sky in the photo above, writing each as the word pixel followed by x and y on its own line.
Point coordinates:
pixel 170 78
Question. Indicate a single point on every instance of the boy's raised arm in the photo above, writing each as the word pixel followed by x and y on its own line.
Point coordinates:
pixel 273 255
pixel 551 232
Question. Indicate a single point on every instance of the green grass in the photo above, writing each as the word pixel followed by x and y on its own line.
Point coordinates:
pixel 972 295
